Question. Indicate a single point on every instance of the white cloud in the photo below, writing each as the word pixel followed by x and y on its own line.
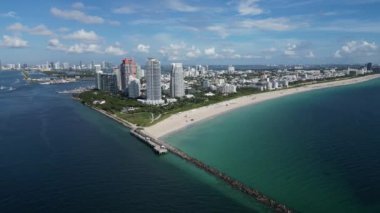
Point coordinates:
pixel 37 30
pixel 219 29
pixel 211 52
pixel 13 42
pixel 290 50
pixel 76 15
pixel 16 27
pixel 84 48
pixel 194 52
pixel 55 44
pixel 40 30
pixel 180 6
pixel 115 50
pixel 275 24
pixel 356 48
pixel 83 35
pixel 123 10
pixel 175 51
pixel 142 48
pixel 249 7
pixel 78 5
pixel 310 54
pixel 10 14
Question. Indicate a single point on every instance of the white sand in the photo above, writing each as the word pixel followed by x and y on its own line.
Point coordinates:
pixel 183 119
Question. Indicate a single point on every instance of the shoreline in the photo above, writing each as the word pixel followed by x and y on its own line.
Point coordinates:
pixel 182 120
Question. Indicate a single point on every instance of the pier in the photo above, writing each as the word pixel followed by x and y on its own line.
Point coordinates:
pixel 258 196
pixel 158 148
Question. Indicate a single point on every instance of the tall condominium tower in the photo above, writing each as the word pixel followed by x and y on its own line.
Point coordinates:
pixel 108 82
pixel 177 85
pixel 134 88
pixel 369 66
pixel 98 80
pixel 116 71
pixel 128 68
pixel 153 81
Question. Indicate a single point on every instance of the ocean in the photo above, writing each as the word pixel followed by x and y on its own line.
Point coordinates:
pixel 317 151
pixel 57 155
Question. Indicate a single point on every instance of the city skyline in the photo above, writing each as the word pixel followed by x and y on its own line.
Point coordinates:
pixel 191 31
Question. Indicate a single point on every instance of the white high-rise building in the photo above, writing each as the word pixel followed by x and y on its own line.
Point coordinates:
pixel 177 84
pixel 116 71
pixel 97 67
pixel 98 79
pixel 227 89
pixel 134 88
pixel 153 81
pixel 231 69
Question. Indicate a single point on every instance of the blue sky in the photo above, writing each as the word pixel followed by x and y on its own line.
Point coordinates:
pixel 191 31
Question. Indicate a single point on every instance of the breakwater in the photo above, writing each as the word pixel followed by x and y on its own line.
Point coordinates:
pixel 260 197
pixel 159 144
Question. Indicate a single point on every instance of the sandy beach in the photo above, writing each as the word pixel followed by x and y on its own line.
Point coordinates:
pixel 184 119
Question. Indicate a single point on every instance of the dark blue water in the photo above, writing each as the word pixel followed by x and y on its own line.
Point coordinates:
pixel 59 156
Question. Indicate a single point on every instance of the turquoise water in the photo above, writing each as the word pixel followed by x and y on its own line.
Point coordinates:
pixel 317 151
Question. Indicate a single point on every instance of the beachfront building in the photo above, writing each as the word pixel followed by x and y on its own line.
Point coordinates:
pixel 98 82
pixel 206 84
pixel 227 89
pixel 153 82
pixel 177 84
pixel 108 82
pixel 116 71
pixel 134 88
pixel 128 68
pixel 139 72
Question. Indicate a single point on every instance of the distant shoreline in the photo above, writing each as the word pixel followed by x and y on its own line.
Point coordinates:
pixel 185 119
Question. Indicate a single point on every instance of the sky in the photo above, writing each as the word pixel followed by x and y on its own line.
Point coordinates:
pixel 191 31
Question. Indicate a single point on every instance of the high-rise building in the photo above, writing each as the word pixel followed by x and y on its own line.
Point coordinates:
pixel 139 72
pixel 108 82
pixel 92 66
pixel 116 71
pixel 66 66
pixel 369 66
pixel 227 88
pixel 98 80
pixel 97 67
pixel 134 88
pixel 128 68
pixel 153 81
pixel 231 69
pixel 177 84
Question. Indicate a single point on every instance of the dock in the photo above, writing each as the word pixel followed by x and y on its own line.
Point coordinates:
pixel 161 147
pixel 158 148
